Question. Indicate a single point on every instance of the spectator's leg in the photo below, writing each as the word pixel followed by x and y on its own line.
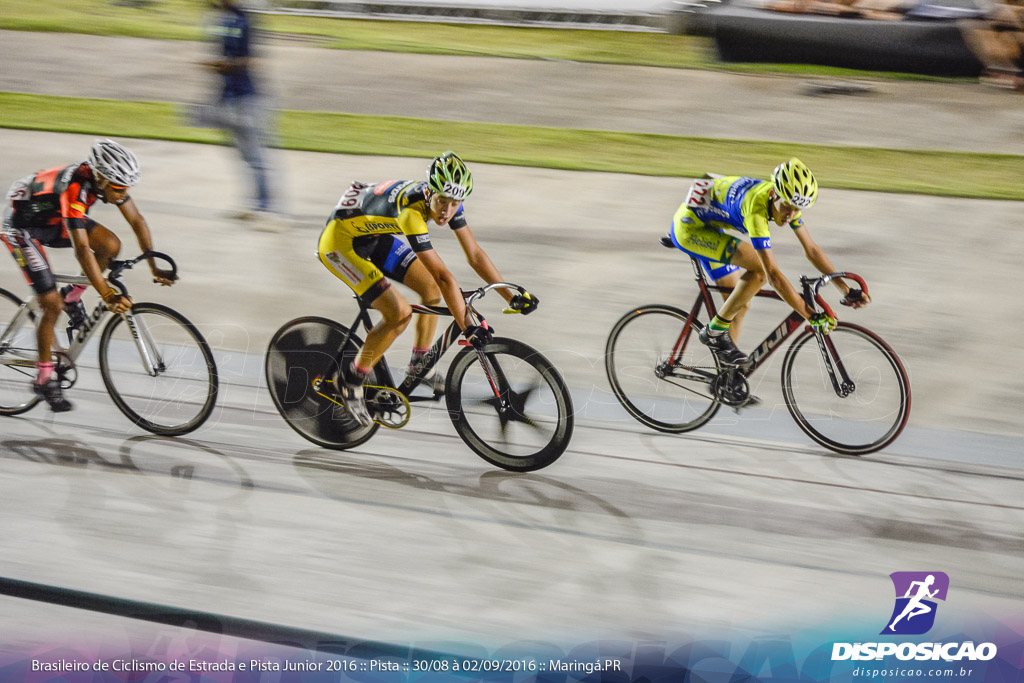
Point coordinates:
pixel 245 129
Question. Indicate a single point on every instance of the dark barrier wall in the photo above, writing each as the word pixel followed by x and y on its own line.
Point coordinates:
pixel 913 46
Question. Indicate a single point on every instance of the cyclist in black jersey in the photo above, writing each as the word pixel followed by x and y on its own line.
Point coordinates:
pixel 360 246
pixel 48 209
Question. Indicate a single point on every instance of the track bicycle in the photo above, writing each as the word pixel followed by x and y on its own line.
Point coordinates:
pixel 848 390
pixel 155 364
pixel 507 401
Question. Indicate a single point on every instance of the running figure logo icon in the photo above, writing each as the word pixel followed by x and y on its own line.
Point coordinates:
pixel 916 592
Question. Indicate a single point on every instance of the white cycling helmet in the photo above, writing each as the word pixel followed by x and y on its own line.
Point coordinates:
pixel 114 162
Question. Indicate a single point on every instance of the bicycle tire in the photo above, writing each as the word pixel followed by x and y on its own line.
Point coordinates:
pixel 517 457
pixel 648 398
pixel 169 404
pixel 301 350
pixel 14 380
pixel 810 379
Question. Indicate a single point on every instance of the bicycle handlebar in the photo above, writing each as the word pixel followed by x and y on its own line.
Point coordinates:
pixel 477 294
pixel 825 279
pixel 813 285
pixel 117 267
pixel 471 296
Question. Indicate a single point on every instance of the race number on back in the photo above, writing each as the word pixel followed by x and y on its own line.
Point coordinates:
pixel 699 195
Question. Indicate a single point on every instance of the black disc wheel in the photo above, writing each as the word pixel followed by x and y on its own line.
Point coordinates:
pixel 301 366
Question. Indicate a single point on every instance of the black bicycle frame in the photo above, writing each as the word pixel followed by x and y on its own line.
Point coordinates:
pixel 423 366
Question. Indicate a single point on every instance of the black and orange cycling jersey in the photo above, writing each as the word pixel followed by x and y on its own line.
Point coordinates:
pixel 40 211
pixel 357 245
pixel 51 202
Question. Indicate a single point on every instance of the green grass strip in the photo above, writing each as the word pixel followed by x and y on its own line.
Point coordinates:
pixel 955 174
pixel 182 20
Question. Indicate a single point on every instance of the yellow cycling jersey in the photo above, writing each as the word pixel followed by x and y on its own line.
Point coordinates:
pixel 729 202
pixel 393 206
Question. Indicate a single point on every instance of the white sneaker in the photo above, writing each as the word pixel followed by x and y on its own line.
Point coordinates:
pixel 355 403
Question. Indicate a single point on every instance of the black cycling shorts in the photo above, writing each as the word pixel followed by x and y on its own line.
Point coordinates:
pixel 390 253
pixel 27 247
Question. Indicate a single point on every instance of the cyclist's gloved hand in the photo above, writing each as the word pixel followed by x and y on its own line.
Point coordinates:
pixel 524 303
pixel 478 335
pixel 856 298
pixel 822 322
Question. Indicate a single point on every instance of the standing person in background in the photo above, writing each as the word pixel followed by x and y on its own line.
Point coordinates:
pixel 242 111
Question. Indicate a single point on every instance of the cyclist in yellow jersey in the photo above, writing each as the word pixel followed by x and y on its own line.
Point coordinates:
pixel 360 245
pixel 715 204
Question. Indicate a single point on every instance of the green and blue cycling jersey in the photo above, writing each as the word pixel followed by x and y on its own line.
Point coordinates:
pixel 715 205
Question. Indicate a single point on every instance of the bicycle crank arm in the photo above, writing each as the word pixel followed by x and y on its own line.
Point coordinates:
pixel 433 398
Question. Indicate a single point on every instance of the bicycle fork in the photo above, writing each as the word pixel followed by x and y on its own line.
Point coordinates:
pixel 490 375
pixel 842 384
pixel 152 361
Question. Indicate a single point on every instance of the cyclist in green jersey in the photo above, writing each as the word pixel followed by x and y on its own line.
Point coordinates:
pixel 715 204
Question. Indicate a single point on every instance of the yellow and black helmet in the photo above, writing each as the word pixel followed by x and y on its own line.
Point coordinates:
pixel 795 183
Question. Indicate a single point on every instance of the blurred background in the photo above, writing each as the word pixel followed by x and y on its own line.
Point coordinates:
pixel 584 122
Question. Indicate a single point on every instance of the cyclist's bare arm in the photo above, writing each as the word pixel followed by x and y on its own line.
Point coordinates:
pixel 142 234
pixel 447 283
pixel 821 261
pixel 781 284
pixel 478 259
pixel 87 259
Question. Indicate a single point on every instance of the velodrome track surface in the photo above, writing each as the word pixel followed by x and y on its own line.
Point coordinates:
pixel 743 525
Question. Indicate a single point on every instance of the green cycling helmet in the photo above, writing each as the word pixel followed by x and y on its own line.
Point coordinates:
pixel 795 183
pixel 449 177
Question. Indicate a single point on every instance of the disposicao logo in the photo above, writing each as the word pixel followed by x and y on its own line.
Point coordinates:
pixel 914 614
pixel 916 593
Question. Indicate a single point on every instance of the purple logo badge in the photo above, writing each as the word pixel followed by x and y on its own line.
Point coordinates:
pixel 916 593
